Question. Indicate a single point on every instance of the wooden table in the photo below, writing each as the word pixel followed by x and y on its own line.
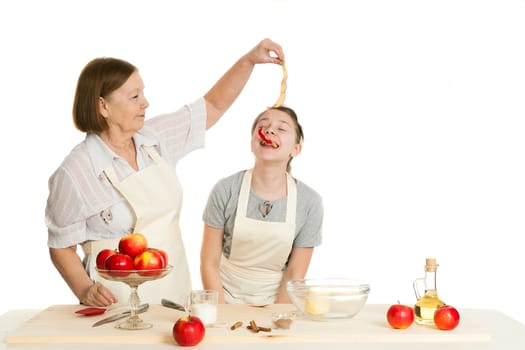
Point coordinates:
pixel 58 327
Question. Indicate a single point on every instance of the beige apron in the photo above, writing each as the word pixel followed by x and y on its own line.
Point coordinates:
pixel 253 272
pixel 155 195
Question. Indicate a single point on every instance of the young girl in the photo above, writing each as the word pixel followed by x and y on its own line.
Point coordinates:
pixel 261 225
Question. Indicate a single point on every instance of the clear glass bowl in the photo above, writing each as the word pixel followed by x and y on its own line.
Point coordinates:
pixel 328 299
pixel 134 278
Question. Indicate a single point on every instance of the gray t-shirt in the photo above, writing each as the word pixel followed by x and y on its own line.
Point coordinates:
pixel 221 210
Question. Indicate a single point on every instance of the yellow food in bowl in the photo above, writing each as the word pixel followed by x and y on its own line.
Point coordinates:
pixel 315 303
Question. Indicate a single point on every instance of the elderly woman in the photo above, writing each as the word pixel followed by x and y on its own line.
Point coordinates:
pixel 122 178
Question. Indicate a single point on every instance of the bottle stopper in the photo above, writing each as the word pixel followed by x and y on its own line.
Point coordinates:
pixel 431 265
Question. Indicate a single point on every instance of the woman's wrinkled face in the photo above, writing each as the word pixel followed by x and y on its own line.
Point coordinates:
pixel 277 127
pixel 125 108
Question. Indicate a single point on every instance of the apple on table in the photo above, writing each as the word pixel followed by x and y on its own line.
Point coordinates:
pixel 188 330
pixel 446 317
pixel 400 316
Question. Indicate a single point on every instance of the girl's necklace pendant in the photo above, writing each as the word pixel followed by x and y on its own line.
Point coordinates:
pixel 265 208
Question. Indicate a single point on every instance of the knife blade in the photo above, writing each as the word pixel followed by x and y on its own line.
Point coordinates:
pixel 172 305
pixel 141 308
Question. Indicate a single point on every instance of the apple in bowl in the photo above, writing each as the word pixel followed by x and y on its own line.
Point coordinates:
pixel 133 244
pixel 162 253
pixel 148 263
pixel 133 255
pixel 119 264
pixel 102 256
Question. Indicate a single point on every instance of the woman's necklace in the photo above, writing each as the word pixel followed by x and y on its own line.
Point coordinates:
pixel 265 208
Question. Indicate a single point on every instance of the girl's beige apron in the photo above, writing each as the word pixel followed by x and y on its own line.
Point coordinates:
pixel 155 195
pixel 253 272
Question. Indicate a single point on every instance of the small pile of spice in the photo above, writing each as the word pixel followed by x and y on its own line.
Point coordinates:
pixel 283 320
pixel 283 323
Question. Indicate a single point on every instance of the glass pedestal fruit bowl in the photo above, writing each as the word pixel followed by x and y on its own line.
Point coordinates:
pixel 328 299
pixel 134 278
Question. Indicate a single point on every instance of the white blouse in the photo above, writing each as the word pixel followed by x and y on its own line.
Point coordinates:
pixel 83 205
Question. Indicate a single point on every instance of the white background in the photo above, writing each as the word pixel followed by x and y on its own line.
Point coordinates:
pixel 413 114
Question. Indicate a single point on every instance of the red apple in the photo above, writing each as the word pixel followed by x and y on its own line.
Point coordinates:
pixel 446 317
pixel 188 330
pixel 103 255
pixel 119 261
pixel 400 316
pixel 148 260
pixel 162 253
pixel 132 244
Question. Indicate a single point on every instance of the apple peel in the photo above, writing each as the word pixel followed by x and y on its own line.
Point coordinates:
pixel 282 96
pixel 265 139
pixel 91 311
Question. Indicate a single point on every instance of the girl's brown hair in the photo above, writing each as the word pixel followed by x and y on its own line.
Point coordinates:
pixel 299 138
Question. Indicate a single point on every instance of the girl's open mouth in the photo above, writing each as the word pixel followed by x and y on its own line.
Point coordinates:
pixel 265 140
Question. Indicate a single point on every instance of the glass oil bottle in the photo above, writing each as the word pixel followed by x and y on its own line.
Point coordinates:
pixel 429 301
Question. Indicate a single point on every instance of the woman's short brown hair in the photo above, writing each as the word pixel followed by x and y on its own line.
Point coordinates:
pixel 99 78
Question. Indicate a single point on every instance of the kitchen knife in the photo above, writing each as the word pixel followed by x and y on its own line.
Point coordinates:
pixel 172 305
pixel 140 309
